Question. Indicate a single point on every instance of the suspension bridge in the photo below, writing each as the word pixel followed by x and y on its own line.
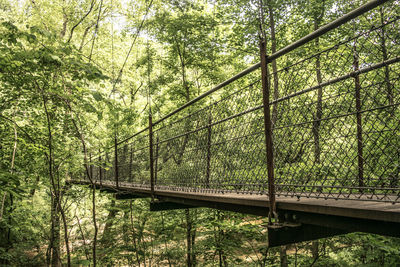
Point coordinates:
pixel 314 143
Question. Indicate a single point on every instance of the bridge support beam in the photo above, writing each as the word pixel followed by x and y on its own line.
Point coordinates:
pixel 107 190
pixel 166 205
pixel 122 196
pixel 289 233
pixel 349 224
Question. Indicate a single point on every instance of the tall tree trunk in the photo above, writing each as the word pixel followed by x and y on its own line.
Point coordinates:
pixel 190 239
pixel 318 16
pixel 55 191
pixel 94 223
pixel 165 240
pixel 90 177
pixel 282 250
pixel 83 237
pixel 181 54
pixel 85 33
pixel 318 114
pixel 274 66
pixel 11 169
pixel 64 25
pixel 66 238
pixel 112 212
pixel 389 91
pixel 219 236
pixel 55 228
pixel 283 256
pixel 134 233
pixel 7 229
pixel 315 250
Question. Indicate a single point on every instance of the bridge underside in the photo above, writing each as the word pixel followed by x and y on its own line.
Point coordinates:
pixel 299 219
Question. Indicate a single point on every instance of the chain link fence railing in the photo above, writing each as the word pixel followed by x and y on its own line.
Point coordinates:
pixel 335 124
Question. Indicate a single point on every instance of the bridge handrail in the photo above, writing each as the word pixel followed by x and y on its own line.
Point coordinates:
pixel 186 144
pixel 306 39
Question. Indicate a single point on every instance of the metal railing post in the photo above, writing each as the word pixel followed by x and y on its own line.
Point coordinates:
pixel 357 85
pixel 151 155
pixel 208 170
pixel 130 178
pixel 268 130
pixel 156 159
pixel 116 161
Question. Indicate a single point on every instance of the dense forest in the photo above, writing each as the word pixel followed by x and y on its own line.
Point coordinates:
pixel 78 76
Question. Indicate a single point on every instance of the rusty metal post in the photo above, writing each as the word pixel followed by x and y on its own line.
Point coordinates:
pixel 359 121
pixel 268 130
pixel 151 155
pixel 130 164
pixel 116 162
pixel 156 160
pixel 208 170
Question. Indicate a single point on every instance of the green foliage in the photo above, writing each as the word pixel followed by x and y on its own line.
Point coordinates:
pixel 58 71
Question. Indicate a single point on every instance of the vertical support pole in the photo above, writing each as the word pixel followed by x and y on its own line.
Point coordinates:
pixel 116 162
pixel 151 155
pixel 359 121
pixel 100 169
pixel 208 170
pixel 156 160
pixel 130 164
pixel 268 130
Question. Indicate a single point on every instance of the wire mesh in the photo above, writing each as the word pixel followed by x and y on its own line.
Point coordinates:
pixel 336 129
pixel 335 125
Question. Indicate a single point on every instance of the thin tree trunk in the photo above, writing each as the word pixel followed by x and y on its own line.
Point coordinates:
pixel 55 248
pixel 283 256
pixel 83 237
pixel 134 233
pixel 357 96
pixel 12 169
pixel 81 20
pixel 85 33
pixel 318 114
pixel 315 249
pixel 3 200
pixel 94 223
pixel 219 236
pixel 385 57
pixel 109 222
pixel 55 253
pixel 274 66
pixel 7 228
pixel 181 54
pixel 66 239
pixel 190 240
pixel 50 247
pixel 165 240
pixel 64 25
pixel 33 190
pixel 89 175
